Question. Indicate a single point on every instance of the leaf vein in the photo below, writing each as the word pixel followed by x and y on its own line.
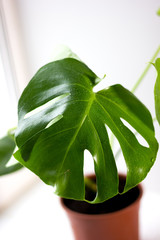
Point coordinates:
pixel 77 131
pixel 116 126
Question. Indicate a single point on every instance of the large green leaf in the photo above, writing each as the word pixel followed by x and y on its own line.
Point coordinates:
pixel 157 90
pixel 60 116
pixel 7 147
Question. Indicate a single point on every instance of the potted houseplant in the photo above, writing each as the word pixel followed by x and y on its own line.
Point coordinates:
pixel 59 116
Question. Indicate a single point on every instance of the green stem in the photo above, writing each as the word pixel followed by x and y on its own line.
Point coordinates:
pixel 146 70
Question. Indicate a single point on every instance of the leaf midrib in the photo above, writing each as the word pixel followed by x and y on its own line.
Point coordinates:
pixel 78 129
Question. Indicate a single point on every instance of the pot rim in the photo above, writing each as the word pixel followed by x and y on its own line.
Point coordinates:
pixel 104 215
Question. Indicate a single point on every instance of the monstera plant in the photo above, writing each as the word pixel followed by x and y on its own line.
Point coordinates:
pixel 157 90
pixel 60 116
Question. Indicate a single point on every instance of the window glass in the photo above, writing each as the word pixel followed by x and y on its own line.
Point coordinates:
pixel 7 102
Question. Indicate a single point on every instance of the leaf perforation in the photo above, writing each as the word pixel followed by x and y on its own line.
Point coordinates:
pixel 118 106
pixel 108 115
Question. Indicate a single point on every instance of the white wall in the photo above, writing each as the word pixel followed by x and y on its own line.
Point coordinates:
pixel 116 38
pixel 112 37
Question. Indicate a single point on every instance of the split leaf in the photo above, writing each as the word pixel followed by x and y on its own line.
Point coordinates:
pixel 60 116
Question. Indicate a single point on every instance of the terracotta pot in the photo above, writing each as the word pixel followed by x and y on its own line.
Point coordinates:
pixel 122 224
